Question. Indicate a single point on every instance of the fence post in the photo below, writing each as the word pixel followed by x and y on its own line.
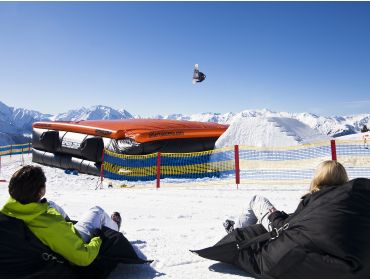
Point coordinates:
pixel 22 157
pixel 1 180
pixel 102 168
pixel 237 167
pixel 101 172
pixel 333 150
pixel 158 170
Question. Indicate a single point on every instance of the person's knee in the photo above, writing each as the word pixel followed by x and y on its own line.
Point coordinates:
pixel 253 201
pixel 257 201
pixel 96 209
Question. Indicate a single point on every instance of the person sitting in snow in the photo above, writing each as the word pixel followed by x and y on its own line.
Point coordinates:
pixel 78 243
pixel 326 237
pixel 261 211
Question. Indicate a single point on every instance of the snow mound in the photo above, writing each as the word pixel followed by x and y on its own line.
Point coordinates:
pixel 268 132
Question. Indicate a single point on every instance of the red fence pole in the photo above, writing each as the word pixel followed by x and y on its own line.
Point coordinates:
pixel 237 167
pixel 158 170
pixel 333 150
pixel 1 180
pixel 0 170
pixel 102 168
pixel 22 157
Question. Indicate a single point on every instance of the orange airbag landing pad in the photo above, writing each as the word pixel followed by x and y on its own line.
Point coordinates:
pixel 140 130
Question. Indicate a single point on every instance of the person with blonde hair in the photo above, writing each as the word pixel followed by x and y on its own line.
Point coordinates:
pixel 259 210
pixel 328 173
pixel 326 237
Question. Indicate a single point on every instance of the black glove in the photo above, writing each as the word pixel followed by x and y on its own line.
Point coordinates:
pixel 97 233
pixel 278 216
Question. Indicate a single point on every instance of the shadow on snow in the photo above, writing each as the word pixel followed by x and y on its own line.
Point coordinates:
pixel 135 271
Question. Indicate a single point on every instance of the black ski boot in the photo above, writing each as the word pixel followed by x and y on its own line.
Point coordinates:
pixel 229 225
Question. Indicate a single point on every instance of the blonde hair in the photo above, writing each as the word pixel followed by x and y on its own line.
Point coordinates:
pixel 328 173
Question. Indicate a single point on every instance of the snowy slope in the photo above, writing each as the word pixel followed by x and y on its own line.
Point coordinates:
pixel 163 224
pixel 268 132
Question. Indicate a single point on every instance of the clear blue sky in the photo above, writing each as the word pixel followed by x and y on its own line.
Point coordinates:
pixel 285 56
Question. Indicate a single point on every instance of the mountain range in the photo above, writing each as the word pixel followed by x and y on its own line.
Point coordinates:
pixel 16 123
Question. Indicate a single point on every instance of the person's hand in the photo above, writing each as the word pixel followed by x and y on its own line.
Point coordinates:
pixel 97 233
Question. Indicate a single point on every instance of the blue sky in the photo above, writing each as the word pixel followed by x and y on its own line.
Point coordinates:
pixel 285 56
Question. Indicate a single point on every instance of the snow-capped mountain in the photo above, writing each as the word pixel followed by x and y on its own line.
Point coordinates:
pixel 202 117
pixel 16 123
pixel 331 126
pixel 334 126
pixel 23 119
pixel 6 119
pixel 98 112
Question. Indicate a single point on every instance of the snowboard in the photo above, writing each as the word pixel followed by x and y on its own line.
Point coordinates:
pixel 196 74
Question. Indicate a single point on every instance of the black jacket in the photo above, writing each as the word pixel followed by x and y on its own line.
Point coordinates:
pixel 326 237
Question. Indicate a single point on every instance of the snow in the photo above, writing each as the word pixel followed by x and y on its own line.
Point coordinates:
pixel 163 224
pixel 268 132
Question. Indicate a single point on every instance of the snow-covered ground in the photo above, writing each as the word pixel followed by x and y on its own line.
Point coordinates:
pixel 163 224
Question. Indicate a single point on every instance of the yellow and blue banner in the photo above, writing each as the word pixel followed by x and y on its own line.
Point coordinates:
pixel 257 164
pixel 15 149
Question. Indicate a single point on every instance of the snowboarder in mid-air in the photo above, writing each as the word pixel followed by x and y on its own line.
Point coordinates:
pixel 198 76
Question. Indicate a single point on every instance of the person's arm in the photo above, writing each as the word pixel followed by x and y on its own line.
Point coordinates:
pixel 61 237
pixel 52 204
pixel 277 219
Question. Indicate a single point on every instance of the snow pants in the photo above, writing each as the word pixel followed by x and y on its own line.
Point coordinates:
pixel 257 212
pixel 94 219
